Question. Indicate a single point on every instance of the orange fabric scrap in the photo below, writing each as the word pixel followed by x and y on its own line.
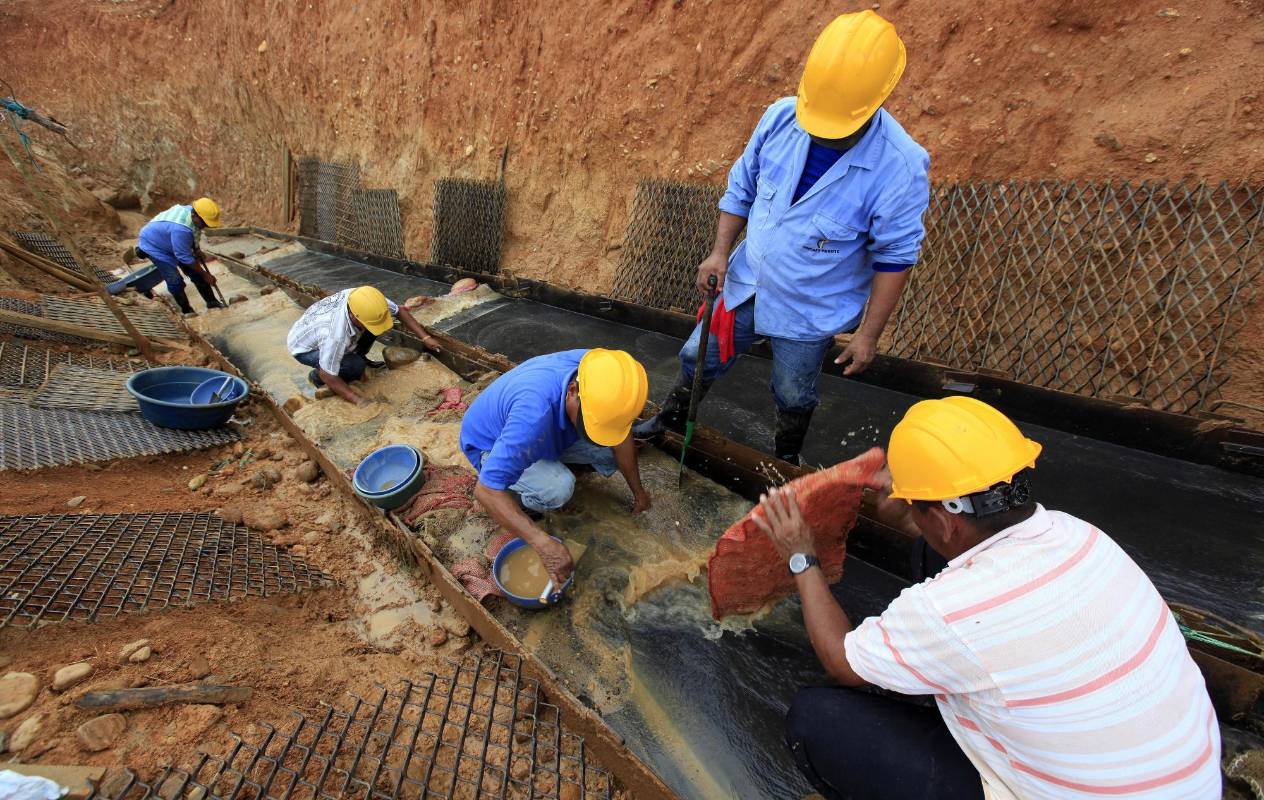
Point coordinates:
pixel 745 573
pixel 475 574
pixel 445 487
pixel 451 400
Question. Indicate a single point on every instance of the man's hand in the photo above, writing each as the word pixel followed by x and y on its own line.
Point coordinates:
pixel 556 558
pixel 779 517
pixel 716 264
pixel 860 352
pixel 431 344
pixel 641 502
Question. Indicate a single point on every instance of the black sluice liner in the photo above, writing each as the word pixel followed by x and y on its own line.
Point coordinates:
pixel 1196 530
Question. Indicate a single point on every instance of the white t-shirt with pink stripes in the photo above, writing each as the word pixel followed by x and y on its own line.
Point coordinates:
pixel 1055 663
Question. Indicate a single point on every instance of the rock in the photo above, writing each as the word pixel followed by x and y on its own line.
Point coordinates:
pixel 193 720
pixel 293 404
pixel 197 482
pixel 1150 158
pixel 129 649
pixel 311 537
pixel 199 668
pixel 396 357
pixel 26 733
pixel 75 502
pixel 17 692
pixel 263 46
pixel 307 471
pixel 263 452
pixel 435 605
pixel 457 626
pixel 469 150
pixel 277 456
pixel 1104 139
pixel 324 393
pixel 265 477
pixel 1185 52
pixel 69 675
pixel 458 646
pixel 230 514
pixel 99 733
pixel 438 636
pixel 267 290
pixel 141 655
pixel 265 518
pixel 237 298
pixel 272 473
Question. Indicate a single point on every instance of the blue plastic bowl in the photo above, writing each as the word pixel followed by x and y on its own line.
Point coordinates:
pixel 165 397
pixel 525 602
pixel 389 476
pixel 142 280
pixel 205 392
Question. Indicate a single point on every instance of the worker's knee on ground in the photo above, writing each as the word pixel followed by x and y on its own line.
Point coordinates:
pixel 352 367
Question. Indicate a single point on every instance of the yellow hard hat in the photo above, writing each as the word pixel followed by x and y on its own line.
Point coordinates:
pixel 369 306
pixel 208 210
pixel 854 65
pixel 954 447
pixel 612 392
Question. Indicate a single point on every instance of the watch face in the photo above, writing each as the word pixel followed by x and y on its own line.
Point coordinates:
pixel 798 563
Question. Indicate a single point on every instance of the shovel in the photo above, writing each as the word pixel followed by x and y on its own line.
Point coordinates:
pixel 699 365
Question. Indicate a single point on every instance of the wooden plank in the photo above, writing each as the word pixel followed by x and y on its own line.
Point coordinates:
pixel 151 696
pixel 77 781
pixel 44 265
pixel 45 324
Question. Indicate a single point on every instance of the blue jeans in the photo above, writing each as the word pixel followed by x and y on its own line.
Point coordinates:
pixel 548 485
pixel 795 365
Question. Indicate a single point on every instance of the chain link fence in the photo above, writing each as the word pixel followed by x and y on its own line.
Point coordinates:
pixel 469 224
pixel 333 207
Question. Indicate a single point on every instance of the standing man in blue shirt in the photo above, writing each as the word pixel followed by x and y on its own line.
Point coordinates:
pixel 831 192
pixel 170 241
pixel 573 407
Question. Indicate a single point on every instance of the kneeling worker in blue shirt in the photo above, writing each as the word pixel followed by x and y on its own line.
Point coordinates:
pixel 170 241
pixel 831 191
pixel 573 407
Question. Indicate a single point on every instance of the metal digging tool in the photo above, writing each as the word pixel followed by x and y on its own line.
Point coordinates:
pixel 699 366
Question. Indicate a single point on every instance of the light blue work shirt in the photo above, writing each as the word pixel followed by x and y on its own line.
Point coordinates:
pixel 520 418
pixel 811 263
pixel 170 237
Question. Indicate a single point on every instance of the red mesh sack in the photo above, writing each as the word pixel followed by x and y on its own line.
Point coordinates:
pixel 745 573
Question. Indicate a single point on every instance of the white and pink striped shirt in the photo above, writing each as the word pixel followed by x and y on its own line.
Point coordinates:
pixel 1056 665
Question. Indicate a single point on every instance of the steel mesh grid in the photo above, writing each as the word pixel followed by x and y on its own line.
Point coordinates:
pixel 480 731
pixel 379 228
pixel 1117 290
pixel 35 310
pixel 30 365
pixel 87 567
pixel 70 386
pixel 308 200
pixel 671 230
pixel 334 207
pixel 469 224
pixel 31 438
pixel 93 312
pixel 48 247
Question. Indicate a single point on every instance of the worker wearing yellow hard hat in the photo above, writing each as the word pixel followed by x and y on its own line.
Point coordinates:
pixel 575 407
pixel 830 191
pixel 171 242
pixel 1056 668
pixel 335 334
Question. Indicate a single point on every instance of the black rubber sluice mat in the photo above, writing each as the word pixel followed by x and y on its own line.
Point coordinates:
pixel 31 438
pixel 86 567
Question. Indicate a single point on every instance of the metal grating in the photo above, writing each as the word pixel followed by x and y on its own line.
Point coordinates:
pixel 31 438
pixel 1118 290
pixel 379 227
pixel 35 310
pixel 479 732
pixel 671 231
pixel 83 387
pixel 469 224
pixel 55 251
pixel 29 365
pixel 334 208
pixel 86 567
pixel 93 312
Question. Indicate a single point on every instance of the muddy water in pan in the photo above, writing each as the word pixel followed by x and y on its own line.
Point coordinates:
pixel 701 702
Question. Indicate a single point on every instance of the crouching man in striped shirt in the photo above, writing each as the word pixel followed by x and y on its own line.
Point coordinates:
pixel 1057 669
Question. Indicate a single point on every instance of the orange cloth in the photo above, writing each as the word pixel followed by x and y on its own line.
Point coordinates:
pixel 745 573
pixel 722 321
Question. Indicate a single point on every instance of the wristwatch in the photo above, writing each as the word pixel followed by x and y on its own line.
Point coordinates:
pixel 801 562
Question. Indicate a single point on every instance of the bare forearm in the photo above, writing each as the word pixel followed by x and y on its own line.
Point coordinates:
pixel 883 298
pixel 339 387
pixel 508 514
pixel 727 230
pixel 827 624
pixel 626 460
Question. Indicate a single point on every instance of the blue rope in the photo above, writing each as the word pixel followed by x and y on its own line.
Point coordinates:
pixel 20 112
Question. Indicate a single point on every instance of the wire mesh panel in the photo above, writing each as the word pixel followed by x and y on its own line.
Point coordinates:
pixel 469 224
pixel 379 227
pixel 33 309
pixel 1117 290
pixel 308 202
pixel 71 386
pixel 29 365
pixel 92 312
pixel 481 731
pixel 31 437
pixel 334 207
pixel 48 247
pixel 671 231
pixel 87 567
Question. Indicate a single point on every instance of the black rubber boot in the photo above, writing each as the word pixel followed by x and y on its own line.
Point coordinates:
pixel 182 300
pixel 792 428
pixel 204 289
pixel 673 415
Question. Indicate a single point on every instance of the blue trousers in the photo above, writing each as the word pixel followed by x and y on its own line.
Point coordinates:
pixel 796 365
pixel 353 364
pixel 548 485
pixel 175 283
